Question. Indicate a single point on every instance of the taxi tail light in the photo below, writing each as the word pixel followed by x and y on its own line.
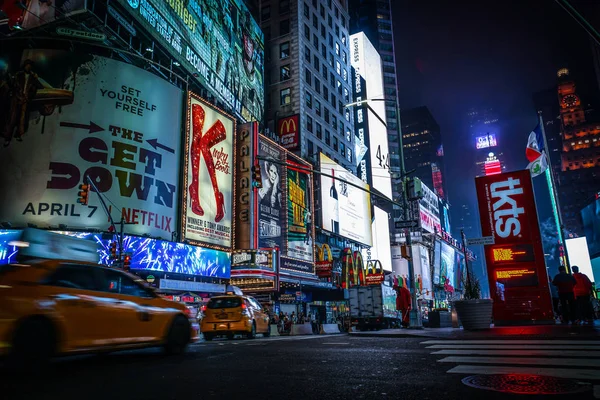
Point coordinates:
pixel 204 308
pixel 245 309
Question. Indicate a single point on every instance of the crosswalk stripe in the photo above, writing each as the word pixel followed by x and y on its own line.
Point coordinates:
pixel 496 352
pixel 579 374
pixel 511 342
pixel 513 347
pixel 565 362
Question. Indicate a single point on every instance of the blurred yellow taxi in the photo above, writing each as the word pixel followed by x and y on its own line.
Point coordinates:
pixel 233 314
pixel 53 307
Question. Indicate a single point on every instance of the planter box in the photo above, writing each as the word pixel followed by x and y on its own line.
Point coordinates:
pixel 440 319
pixel 474 314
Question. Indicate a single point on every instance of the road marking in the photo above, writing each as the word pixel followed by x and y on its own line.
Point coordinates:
pixel 335 343
pixel 566 362
pixel 578 374
pixel 485 352
pixel 514 347
pixel 512 342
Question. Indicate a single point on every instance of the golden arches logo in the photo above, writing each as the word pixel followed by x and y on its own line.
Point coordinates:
pixel 374 274
pixel 322 250
pixel 286 124
pixel 352 268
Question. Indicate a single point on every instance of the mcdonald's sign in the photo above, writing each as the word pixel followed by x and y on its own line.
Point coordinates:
pixel 288 130
pixel 374 274
pixel 352 268
pixel 324 263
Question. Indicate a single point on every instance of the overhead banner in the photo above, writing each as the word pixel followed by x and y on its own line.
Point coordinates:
pixel 515 262
pixel 208 172
pixel 81 115
pixel 220 41
pixel 271 200
pixel 288 130
pixel 299 212
pixel 345 209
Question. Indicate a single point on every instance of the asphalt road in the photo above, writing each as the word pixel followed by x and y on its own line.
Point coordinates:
pixel 309 367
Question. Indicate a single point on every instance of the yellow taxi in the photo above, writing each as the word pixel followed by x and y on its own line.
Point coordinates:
pixel 232 314
pixel 53 307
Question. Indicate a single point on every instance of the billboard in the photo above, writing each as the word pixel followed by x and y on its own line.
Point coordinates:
pixel 447 265
pixel 422 270
pixel 346 209
pixel 492 167
pixel 437 262
pixel 516 265
pixel 367 63
pixel 24 15
pixel 244 146
pixel 299 211
pixel 288 131
pixel 429 210
pixel 362 156
pixel 218 41
pixel 590 216
pixel 578 253
pixel 271 206
pixel 208 175
pixel 89 116
pixel 485 141
pixel 381 249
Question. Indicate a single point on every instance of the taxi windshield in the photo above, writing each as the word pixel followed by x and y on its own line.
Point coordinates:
pixel 225 302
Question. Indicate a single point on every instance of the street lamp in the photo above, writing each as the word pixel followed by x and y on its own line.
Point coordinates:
pixel 415 315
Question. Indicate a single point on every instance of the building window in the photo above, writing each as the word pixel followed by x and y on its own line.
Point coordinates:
pixel 319 131
pixel 306 32
pixel 315 22
pixel 316 62
pixel 322 11
pixel 349 154
pixel 333 120
pixel 284 6
pixel 342 149
pixel 337 48
pixel 284 27
pixel 338 67
pixel 307 53
pixel 284 50
pixel 318 107
pixel 337 30
pixel 323 31
pixel 326 114
pixel 324 71
pixel 317 86
pixel 330 41
pixel 309 123
pixel 306 11
pixel 308 97
pixel 344 39
pixel 346 95
pixel 284 73
pixel 285 96
pixel 337 13
pixel 345 75
pixel 325 92
pixel 344 57
pixel 265 13
pixel 307 76
pixel 348 136
pixel 330 21
pixel 327 137
pixel 315 41
pixel 335 143
pixel 311 149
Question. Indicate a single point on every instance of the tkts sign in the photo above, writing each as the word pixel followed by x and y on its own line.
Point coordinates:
pixel 508 213
pixel 288 130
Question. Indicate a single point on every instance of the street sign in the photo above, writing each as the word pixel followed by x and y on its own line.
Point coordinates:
pixel 406 224
pixel 81 34
pixel 481 241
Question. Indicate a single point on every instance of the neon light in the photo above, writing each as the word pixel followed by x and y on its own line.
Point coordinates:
pixel 556 217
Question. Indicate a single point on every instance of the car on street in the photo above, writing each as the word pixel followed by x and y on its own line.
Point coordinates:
pixel 59 307
pixel 234 314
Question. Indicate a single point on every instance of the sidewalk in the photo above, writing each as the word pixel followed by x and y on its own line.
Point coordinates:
pixel 512 332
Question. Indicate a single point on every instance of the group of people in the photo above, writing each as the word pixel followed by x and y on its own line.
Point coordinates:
pixel 573 294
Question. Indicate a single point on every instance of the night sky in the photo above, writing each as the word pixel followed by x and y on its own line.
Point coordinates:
pixel 454 55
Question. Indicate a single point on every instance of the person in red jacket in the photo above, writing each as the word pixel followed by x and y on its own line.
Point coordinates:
pixel 583 291
pixel 565 284
pixel 403 304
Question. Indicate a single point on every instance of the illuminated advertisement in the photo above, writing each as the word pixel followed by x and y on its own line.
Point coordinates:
pixel 460 269
pixel 422 269
pixel 157 255
pixel 483 142
pixel 590 216
pixel 218 41
pixel 447 264
pixel 299 212
pixel 346 209
pixel 8 251
pixel 492 167
pixel 508 213
pixel 437 262
pixel 367 63
pixel 34 13
pixel 254 259
pixel 361 127
pixel 438 184
pixel 89 116
pixel 288 130
pixel 429 210
pixel 244 146
pixel 208 172
pixel 578 253
pixel 271 206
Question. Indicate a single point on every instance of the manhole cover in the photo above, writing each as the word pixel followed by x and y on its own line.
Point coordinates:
pixel 525 384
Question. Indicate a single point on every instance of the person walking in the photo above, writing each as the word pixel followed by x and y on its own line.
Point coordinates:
pixel 403 304
pixel 565 284
pixel 582 291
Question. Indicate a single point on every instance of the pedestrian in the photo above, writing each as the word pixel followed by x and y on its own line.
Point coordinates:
pixel 583 291
pixel 403 304
pixel 555 299
pixel 565 284
pixel 313 322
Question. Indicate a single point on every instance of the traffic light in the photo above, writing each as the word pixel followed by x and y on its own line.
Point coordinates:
pixel 84 191
pixel 113 250
pixel 256 176
pixel 127 262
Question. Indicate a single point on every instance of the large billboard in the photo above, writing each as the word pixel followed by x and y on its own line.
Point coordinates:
pixel 299 211
pixel 367 63
pixel 271 200
pixel 591 226
pixel 429 210
pixel 486 141
pixel 515 262
pixel 579 255
pixel 208 172
pixel 71 116
pixel 246 136
pixel 447 265
pixel 345 209
pixel 217 40
pixel 22 15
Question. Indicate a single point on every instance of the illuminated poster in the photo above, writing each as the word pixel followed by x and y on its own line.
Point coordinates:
pixel 429 210
pixel 517 277
pixel 271 206
pixel 218 40
pixel 483 142
pixel 299 212
pixel 34 13
pixel 447 265
pixel 90 116
pixel 207 213
pixel 288 130
pixel 426 286
pixel 437 261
